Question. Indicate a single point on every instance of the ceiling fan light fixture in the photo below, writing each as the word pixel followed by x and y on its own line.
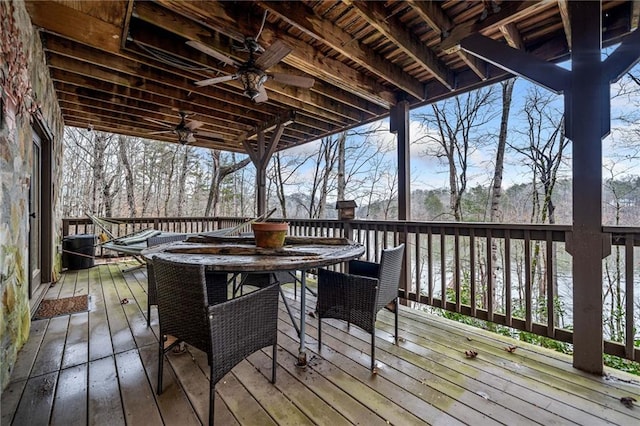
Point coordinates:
pixel 252 80
pixel 183 134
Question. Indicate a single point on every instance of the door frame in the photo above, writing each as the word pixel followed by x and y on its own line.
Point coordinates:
pixel 44 137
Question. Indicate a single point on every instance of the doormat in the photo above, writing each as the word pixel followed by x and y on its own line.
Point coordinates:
pixel 50 308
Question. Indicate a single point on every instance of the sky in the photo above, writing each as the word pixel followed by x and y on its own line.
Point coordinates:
pixel 429 173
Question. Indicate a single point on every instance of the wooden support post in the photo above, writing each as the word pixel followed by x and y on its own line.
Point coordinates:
pixel 584 103
pixel 260 158
pixel 400 126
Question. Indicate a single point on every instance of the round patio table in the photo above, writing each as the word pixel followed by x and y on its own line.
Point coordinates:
pixel 233 255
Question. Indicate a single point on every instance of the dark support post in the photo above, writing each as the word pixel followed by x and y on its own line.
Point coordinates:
pixel 584 116
pixel 400 126
pixel 260 158
pixel 261 177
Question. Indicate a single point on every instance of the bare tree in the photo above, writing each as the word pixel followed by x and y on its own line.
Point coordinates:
pixel 454 130
pixel 128 173
pixel 218 173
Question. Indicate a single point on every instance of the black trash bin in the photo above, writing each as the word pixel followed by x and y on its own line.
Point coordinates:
pixel 78 251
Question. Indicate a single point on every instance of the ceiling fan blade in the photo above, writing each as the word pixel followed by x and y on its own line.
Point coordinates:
pixel 191 138
pixel 216 80
pixel 213 53
pixel 194 124
pixel 162 123
pixel 160 132
pixel 210 135
pixel 274 54
pixel 293 80
pixel 262 95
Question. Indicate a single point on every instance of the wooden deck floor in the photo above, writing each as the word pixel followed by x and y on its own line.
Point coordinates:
pixel 99 368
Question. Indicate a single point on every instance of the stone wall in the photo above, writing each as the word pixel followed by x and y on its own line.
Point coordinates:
pixel 26 92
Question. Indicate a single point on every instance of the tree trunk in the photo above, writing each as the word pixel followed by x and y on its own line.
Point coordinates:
pixel 128 174
pixel 342 183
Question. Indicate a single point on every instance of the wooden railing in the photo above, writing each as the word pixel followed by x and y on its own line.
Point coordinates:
pixel 512 275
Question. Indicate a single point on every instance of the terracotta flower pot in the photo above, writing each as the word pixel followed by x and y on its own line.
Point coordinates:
pixel 270 234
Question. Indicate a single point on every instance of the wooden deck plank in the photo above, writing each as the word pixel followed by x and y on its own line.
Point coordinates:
pixel 49 356
pixel 276 403
pixel 76 350
pixel 142 334
pixel 380 396
pixel 174 405
pixel 27 355
pixel 121 336
pixel 195 383
pixel 104 402
pixel 37 399
pixel 559 384
pixel 10 400
pixel 299 394
pixel 137 395
pixel 100 344
pixel 70 403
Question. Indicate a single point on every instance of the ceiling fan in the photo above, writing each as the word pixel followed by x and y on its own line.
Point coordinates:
pixel 253 72
pixel 185 130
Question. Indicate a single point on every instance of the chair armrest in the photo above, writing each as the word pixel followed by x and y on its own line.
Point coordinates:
pixel 364 268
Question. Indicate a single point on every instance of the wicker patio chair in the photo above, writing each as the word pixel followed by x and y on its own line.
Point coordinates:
pixel 152 298
pixel 358 296
pixel 228 332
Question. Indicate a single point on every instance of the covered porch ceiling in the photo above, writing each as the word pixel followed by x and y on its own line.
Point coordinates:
pixel 125 66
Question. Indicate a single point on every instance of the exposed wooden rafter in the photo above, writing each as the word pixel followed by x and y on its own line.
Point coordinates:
pixel 392 29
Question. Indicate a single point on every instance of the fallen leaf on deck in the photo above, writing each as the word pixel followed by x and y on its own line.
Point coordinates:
pixel 628 401
pixel 470 353
pixel 312 314
pixel 124 301
pixel 510 348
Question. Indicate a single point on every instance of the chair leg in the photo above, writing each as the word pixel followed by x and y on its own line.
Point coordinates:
pixel 212 396
pixel 274 362
pixel 148 314
pixel 160 363
pixel 373 349
pixel 396 319
pixel 319 333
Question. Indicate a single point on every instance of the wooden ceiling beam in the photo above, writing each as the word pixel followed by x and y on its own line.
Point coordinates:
pixel 510 11
pixel 635 15
pixel 221 17
pixel 136 114
pixel 122 96
pixel 139 75
pixel 566 21
pixel 60 19
pixel 518 62
pixel 181 98
pixel 105 124
pixel 304 18
pixel 431 12
pixel 512 36
pixel 395 31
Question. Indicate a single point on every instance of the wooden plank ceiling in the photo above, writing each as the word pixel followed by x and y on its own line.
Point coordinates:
pixel 125 66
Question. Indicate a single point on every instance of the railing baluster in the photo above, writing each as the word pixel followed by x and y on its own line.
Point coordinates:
pixel 527 280
pixel 472 270
pixel 551 314
pixel 418 255
pixel 507 278
pixel 456 260
pixel 489 275
pixel 443 273
pixel 430 264
pixel 629 335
